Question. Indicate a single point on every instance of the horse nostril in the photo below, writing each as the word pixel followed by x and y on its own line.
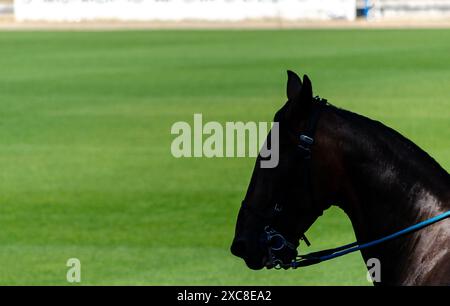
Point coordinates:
pixel 238 248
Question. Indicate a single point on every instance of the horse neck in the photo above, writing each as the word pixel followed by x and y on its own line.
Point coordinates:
pixel 383 182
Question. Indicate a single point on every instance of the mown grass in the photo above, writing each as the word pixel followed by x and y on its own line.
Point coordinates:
pixel 85 163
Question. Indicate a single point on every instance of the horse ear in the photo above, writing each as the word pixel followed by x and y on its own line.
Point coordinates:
pixel 294 85
pixel 306 93
pixel 300 106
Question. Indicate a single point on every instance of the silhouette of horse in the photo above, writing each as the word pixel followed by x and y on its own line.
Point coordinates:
pixel 382 181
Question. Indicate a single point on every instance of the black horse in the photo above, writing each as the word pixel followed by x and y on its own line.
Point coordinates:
pixel 382 181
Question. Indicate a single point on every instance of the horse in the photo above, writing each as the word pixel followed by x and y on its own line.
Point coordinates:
pixel 380 179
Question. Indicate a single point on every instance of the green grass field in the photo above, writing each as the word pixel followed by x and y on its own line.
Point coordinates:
pixel 85 163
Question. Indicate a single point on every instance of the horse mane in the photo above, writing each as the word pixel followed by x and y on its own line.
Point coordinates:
pixel 416 155
pixel 374 127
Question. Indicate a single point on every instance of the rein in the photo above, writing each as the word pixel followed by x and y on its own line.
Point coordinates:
pixel 279 248
pixel 317 257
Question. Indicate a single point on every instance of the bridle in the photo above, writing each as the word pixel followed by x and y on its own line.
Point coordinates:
pixel 280 250
pixel 278 246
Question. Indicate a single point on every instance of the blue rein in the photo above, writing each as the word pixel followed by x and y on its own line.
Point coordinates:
pixel 316 257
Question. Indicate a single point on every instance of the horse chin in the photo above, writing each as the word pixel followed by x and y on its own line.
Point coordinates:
pixel 285 266
pixel 256 264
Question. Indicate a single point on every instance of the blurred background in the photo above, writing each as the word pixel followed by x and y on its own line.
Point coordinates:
pixel 90 89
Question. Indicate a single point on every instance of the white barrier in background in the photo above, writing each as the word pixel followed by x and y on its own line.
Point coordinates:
pixel 173 10
pixel 6 8
pixel 410 8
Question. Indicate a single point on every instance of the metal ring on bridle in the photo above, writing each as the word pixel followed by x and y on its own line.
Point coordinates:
pixel 281 239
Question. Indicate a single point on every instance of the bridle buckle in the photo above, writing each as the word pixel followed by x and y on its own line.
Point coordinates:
pixel 306 140
pixel 305 145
